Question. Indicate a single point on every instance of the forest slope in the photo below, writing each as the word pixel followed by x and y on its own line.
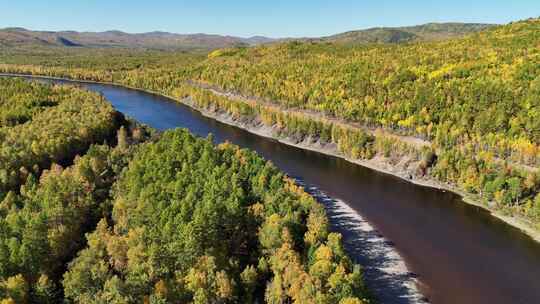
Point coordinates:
pixel 475 98
pixel 425 32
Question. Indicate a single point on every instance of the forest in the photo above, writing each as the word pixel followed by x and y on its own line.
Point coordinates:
pixel 96 208
pixel 475 100
pixel 40 125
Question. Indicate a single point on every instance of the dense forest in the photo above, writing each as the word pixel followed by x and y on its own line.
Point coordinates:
pixel 40 125
pixel 97 209
pixel 473 100
pixel 180 233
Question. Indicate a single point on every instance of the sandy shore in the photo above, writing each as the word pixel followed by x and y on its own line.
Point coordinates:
pixel 385 272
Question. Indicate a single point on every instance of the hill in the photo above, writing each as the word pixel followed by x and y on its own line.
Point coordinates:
pixel 14 37
pixel 425 32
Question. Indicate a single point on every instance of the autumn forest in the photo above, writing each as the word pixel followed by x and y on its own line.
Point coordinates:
pixel 96 207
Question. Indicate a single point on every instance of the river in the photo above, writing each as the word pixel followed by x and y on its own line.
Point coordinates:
pixel 458 252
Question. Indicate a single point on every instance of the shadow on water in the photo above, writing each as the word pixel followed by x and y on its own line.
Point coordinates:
pixel 384 271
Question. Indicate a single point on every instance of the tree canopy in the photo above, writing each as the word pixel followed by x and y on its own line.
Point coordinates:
pixel 194 222
pixel 90 217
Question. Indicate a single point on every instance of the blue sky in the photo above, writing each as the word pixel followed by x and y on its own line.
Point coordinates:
pixel 276 18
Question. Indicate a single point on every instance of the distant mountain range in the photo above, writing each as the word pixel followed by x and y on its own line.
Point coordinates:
pixel 151 40
pixel 12 37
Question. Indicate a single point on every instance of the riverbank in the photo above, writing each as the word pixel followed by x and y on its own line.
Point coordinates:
pixel 377 163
